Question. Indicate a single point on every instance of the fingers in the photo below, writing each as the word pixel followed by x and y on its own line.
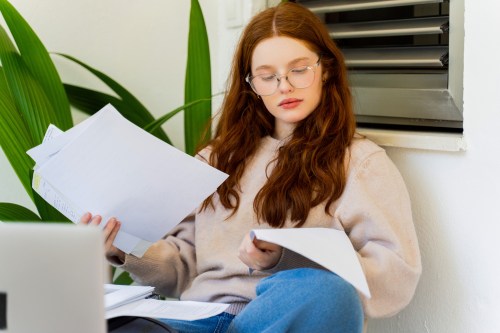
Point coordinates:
pixel 113 254
pixel 111 230
pixel 88 219
pixel 266 246
pixel 258 254
pixel 85 219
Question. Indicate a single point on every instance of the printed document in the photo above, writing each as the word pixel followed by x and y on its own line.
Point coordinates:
pixel 328 247
pixel 116 295
pixel 107 165
pixel 132 301
pixel 181 310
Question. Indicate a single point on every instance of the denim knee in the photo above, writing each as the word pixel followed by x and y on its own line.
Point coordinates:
pixel 317 290
pixel 311 278
pixel 302 300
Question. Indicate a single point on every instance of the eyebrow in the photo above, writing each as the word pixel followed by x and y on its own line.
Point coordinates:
pixel 291 63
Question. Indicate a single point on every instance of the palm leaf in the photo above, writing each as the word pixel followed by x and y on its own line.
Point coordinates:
pixel 158 122
pixel 13 212
pixel 28 95
pixel 88 100
pixel 119 276
pixel 15 139
pixel 39 65
pixel 198 80
pixel 131 108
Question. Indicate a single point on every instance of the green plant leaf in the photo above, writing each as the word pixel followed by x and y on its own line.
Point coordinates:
pixel 198 81
pixel 13 212
pixel 121 277
pixel 29 97
pixel 15 139
pixel 91 101
pixel 130 107
pixel 39 65
pixel 88 100
pixel 158 122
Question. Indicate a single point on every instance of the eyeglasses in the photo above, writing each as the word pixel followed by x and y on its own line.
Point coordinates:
pixel 267 84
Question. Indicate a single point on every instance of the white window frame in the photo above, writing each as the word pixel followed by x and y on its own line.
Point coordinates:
pixel 434 139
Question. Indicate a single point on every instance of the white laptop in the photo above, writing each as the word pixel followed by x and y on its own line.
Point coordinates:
pixel 51 278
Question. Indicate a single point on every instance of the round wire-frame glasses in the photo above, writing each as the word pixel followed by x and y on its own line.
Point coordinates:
pixel 267 84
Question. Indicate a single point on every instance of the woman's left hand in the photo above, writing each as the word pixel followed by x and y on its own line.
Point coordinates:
pixel 258 254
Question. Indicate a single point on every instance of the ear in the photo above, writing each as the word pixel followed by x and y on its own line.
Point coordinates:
pixel 324 76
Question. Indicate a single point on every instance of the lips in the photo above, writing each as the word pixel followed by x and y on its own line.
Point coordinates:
pixel 290 103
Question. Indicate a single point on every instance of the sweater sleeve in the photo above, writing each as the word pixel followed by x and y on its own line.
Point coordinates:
pixel 375 212
pixel 169 264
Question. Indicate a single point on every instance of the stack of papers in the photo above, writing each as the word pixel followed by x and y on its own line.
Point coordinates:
pixel 117 295
pixel 106 165
pixel 132 301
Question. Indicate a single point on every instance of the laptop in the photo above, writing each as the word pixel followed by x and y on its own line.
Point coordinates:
pixel 51 278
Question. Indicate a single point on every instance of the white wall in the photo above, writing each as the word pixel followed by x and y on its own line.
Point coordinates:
pixel 456 196
pixel 455 201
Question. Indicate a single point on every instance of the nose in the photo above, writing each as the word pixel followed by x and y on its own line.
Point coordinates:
pixel 284 85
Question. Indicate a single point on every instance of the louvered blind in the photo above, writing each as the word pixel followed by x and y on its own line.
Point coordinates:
pixel 398 54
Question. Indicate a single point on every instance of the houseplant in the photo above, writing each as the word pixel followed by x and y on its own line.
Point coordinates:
pixel 32 96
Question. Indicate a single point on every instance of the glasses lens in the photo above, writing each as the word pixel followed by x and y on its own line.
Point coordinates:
pixel 301 77
pixel 265 84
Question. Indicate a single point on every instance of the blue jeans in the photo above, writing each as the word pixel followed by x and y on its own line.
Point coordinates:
pixel 215 324
pixel 298 300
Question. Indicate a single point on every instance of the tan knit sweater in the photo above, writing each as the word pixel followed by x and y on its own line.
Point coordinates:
pixel 198 260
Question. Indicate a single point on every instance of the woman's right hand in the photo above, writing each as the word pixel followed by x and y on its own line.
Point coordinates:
pixel 113 254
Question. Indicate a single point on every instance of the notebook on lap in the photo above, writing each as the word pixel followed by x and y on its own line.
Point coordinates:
pixel 51 278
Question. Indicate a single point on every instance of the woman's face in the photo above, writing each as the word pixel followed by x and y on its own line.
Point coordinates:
pixel 288 104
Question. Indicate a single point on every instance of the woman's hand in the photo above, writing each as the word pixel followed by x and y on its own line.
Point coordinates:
pixel 258 254
pixel 113 254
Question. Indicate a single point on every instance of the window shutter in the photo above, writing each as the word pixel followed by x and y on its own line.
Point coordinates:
pixel 398 56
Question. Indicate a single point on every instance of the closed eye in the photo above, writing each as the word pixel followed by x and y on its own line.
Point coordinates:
pixel 299 70
pixel 266 77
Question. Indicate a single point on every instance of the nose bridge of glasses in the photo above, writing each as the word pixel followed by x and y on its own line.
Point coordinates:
pixel 280 77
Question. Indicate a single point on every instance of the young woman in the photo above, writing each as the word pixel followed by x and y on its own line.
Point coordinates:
pixel 286 137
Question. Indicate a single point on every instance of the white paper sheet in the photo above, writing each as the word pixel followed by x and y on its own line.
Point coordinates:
pixel 118 295
pixel 328 247
pixel 181 310
pixel 106 165
pixel 51 146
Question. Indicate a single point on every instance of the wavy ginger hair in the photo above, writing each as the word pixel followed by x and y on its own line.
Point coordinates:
pixel 310 167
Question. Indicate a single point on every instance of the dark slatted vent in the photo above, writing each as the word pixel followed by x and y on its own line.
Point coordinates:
pixel 397 52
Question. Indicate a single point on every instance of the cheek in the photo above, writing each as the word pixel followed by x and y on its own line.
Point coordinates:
pixel 268 104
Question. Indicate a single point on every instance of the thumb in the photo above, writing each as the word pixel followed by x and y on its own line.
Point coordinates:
pixel 265 246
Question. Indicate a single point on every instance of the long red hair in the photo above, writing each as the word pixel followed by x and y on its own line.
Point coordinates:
pixel 310 167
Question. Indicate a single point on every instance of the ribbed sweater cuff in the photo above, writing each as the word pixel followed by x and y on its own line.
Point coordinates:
pixel 235 308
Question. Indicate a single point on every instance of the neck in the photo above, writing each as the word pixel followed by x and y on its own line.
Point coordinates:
pixel 283 130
